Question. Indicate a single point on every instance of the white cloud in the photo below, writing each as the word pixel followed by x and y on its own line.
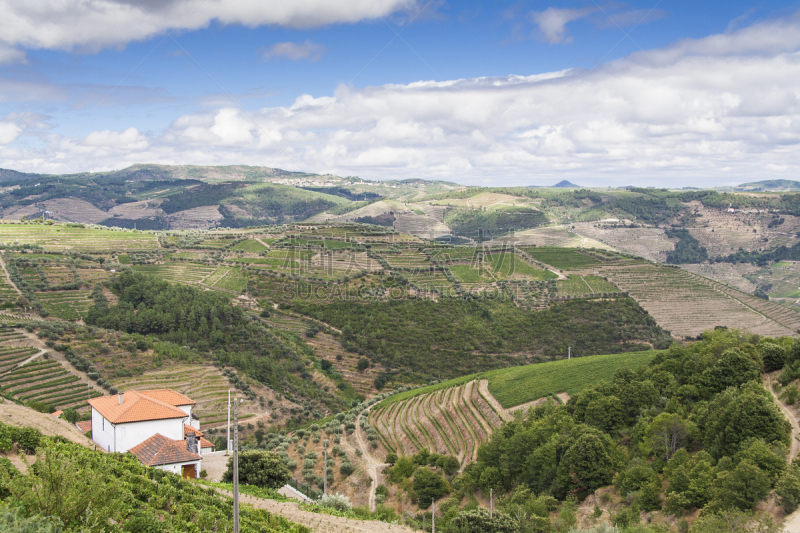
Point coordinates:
pixel 552 22
pixel 95 24
pixel 9 132
pixel 308 51
pixel 701 112
pixel 130 140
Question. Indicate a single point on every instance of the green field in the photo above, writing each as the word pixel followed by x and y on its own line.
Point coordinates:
pixel 507 264
pixel 519 384
pixel 580 285
pixel 58 237
pixel 513 386
pixel 563 258
pixel 250 245
pixel 467 274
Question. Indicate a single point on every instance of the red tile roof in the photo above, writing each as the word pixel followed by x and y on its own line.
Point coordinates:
pixel 136 407
pixel 168 396
pixel 85 425
pixel 187 428
pixel 206 443
pixel 159 450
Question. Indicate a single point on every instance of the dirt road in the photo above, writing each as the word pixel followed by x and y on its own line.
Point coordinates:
pixel 792 522
pixel 371 465
pixel 317 521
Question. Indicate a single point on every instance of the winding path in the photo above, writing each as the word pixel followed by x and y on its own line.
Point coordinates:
pixel 371 465
pixel 8 276
pixel 791 523
pixel 795 446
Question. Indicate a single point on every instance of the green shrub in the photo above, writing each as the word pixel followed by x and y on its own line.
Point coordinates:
pixel 259 468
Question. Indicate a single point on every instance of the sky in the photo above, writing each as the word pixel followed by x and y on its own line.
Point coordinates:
pixel 492 93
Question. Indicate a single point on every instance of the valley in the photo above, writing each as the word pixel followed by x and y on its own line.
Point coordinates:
pixel 418 332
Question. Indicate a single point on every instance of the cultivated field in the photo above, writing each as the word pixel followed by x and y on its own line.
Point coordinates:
pixel 456 416
pixel 453 420
pixel 687 305
pixel 61 238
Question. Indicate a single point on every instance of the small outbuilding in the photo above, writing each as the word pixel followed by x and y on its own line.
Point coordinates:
pixel 176 456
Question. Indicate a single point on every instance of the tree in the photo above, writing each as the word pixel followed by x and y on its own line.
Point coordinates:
pixel 734 522
pixel 259 468
pixel 71 415
pixel 587 465
pixel 773 355
pixel 732 369
pixel 450 465
pixel 666 433
pixel 736 416
pixel 605 413
pixel 479 520
pixel 429 486
pixel 742 488
pixel 788 490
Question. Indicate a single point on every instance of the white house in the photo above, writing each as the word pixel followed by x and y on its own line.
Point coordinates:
pixel 176 456
pixel 123 421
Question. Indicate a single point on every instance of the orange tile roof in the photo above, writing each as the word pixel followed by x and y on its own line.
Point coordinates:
pixel 187 428
pixel 168 396
pixel 204 443
pixel 159 450
pixel 135 407
pixel 57 414
pixel 85 425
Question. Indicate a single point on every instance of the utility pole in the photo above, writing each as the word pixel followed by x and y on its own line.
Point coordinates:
pixel 569 352
pixel 491 503
pixel 228 439
pixel 235 466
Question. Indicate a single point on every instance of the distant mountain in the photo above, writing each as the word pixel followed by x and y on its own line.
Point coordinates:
pixel 769 185
pixel 565 183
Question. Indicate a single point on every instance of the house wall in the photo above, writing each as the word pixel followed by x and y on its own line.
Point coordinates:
pixel 186 409
pixel 123 437
pixel 176 468
pixel 102 434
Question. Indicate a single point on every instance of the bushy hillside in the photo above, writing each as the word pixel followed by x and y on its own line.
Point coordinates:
pixel 692 430
pixel 206 321
pixel 457 337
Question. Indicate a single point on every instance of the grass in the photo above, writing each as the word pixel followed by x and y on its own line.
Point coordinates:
pixel 467 274
pixel 250 245
pixel 509 264
pixel 562 258
pixel 516 385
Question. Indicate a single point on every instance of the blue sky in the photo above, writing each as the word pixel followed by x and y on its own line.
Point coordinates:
pixel 492 93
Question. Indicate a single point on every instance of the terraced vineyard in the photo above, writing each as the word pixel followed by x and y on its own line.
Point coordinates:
pixel 563 258
pixel 687 304
pixel 456 416
pixel 8 293
pixel 177 272
pixel 454 420
pixel 43 381
pixel 10 357
pixel 577 285
pixel 68 305
pixel 204 384
pixel 63 238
